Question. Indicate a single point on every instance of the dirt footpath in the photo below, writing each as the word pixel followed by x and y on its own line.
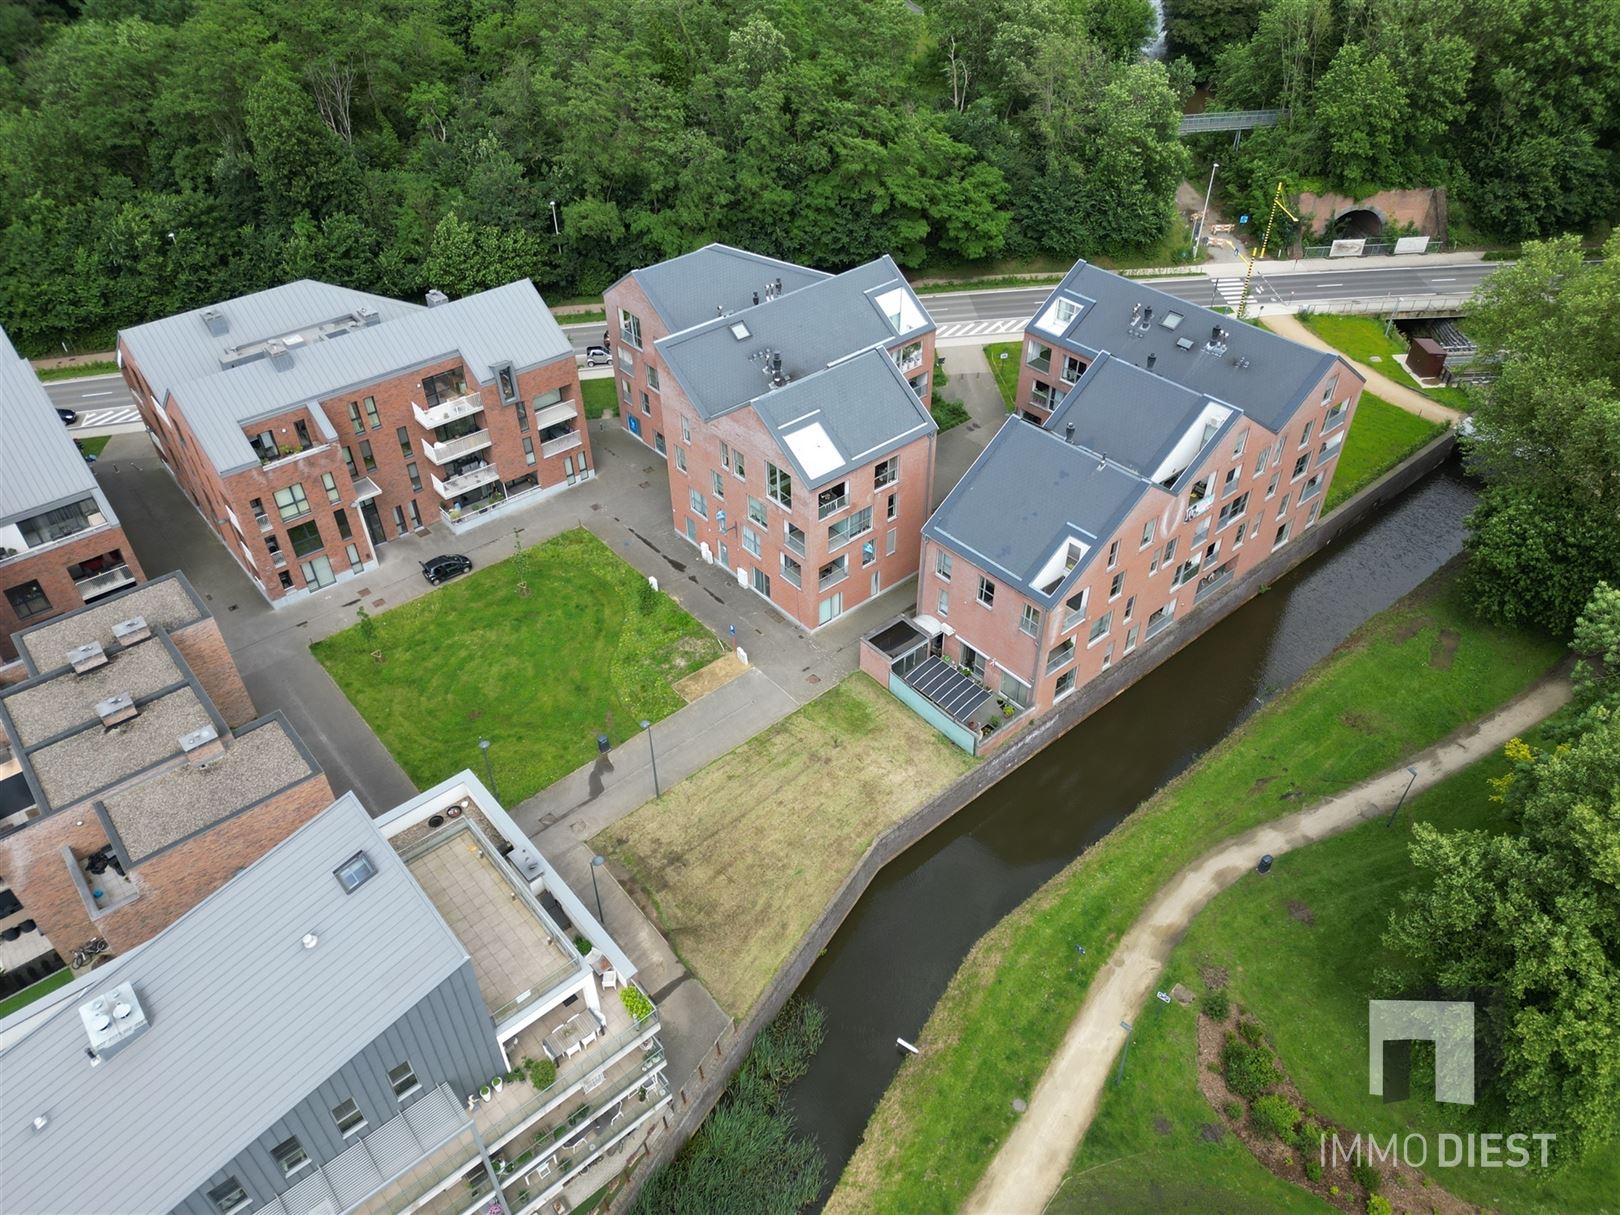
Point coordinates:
pixel 1030 1166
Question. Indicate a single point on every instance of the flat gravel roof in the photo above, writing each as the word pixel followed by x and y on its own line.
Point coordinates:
pixel 70 700
pixel 97 758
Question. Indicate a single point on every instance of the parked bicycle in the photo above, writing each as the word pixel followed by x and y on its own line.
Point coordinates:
pixel 82 955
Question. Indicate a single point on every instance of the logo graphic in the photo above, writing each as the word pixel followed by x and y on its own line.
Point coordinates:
pixel 1392 1027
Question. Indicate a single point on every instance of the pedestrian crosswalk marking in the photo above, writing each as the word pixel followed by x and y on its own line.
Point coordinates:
pixel 108 417
pixel 954 329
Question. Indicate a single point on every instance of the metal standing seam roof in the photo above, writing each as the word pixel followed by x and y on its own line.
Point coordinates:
pixel 836 420
pixel 509 324
pixel 810 329
pixel 1027 494
pixel 1132 416
pixel 686 290
pixel 40 466
pixel 1266 375
pixel 245 1024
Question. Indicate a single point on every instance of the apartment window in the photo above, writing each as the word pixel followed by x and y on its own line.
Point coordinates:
pixel 1242 442
pixel 944 603
pixel 756 511
pixel 1235 509
pixel 833 572
pixel 846 530
pixel 624 385
pixel 725 456
pixel 1130 637
pixel 1271 489
pixel 1282 536
pixel 522 417
pixel 1310 488
pixel 652 377
pixel 1230 483
pixel 762 583
pixel 1282 507
pixel 354 418
pixel 691 529
pixel 686 431
pixel 1300 465
pixel 354 556
pixel 885 472
pixel 286 580
pixel 228 1196
pixel 831 608
pixel 290 1155
pixel 792 571
pixel 372 419
pixel 416 477
pixel 1113 554
pixel 1329 448
pixel 506 384
pixel 630 328
pixel 1262 460
pixel 342 518
pixel 1130 608
pixel 738 466
pixel 291 502
pixel 1065 684
pixel 256 505
pixel 348 1117
pixel 680 458
pixel 1149 529
pixel 1100 627
pixel 1305 435
pixel 404 437
pixel 528 452
pixel 348 460
pixel 750 539
pixel 889 545
pixel 700 504
pixel 1060 654
pixel 893 510
pixel 416 515
pixel 1170 550
pixel 366 458
pixel 28 600
pixel 658 442
pixel 403 1081
pixel 1116 586
pixel 646 404
pixel 942 564
pixel 717 484
pixel 305 538
pixel 1029 620
pixel 987 592
pixel 399 520
pixel 1075 608
pixel 1330 388
pixel 778 486
pixel 832 500
pixel 1107 658
pixel 1334 416
pixel 1073 368
pixel 793 537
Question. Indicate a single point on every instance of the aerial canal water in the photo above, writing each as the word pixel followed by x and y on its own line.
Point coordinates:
pixel 892 958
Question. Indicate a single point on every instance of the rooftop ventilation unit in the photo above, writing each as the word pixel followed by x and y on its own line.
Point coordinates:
pixel 435 297
pixel 132 631
pixel 280 355
pixel 116 709
pixel 202 744
pixel 113 1020
pixel 365 314
pixel 218 326
pixel 86 657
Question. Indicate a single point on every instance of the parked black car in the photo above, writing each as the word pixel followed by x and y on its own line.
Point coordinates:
pixel 445 567
pixel 67 415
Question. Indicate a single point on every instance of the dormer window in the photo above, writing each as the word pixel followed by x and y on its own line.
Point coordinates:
pixel 508 384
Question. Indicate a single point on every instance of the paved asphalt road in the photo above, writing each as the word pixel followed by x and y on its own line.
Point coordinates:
pixel 103 403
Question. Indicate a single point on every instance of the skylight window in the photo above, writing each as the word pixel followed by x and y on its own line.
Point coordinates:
pixel 355 872
pixel 1172 319
pixel 1184 343
pixel 739 331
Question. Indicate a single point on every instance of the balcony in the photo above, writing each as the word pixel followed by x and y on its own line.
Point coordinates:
pixel 264 523
pixel 910 358
pixel 448 411
pixel 93 586
pixel 827 506
pixel 464 483
pixel 1041 362
pixel 454 449
pixel 1214 580
pixel 562 443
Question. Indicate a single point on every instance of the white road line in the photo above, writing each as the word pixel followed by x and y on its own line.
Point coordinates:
pixel 1330 284
pixel 1442 280
pixel 83 396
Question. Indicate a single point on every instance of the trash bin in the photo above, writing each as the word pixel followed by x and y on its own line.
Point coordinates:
pixel 1265 863
pixel 602 744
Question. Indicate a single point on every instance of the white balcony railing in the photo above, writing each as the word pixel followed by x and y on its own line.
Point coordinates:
pixel 562 443
pixel 102 583
pixel 453 449
pixel 448 411
pixel 465 483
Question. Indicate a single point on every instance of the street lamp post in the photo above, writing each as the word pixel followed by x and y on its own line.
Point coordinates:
pixel 653 755
pixel 1404 792
pixel 597 862
pixel 556 229
pixel 1203 216
pixel 489 770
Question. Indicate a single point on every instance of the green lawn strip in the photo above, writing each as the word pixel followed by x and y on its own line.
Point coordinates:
pixel 587 651
pixel 1362 339
pixel 1301 948
pixel 601 397
pixel 948 413
pixel 582 316
pixel 93 446
pixel 19 999
pixel 78 371
pixel 1374 701
pixel 1005 369
pixel 1381 436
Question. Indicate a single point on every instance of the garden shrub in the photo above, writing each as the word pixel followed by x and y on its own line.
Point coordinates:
pixel 635 1002
pixel 1250 1031
pixel 1377 1205
pixel 1216 1005
pixel 1234 1110
pixel 1250 1070
pixel 1275 1115
pixel 1367 1177
pixel 1313 1171
pixel 541 1072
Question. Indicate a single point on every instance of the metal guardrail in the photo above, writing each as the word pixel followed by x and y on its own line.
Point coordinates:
pixel 1230 120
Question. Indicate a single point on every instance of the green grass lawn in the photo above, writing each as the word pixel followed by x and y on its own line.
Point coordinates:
pixel 948 413
pixel 538 675
pixel 100 367
pixel 1301 947
pixel 1362 338
pixel 601 397
pixel 1005 369
pixel 1375 700
pixel 1381 436
pixel 94 445
pixel 582 316
pixel 59 978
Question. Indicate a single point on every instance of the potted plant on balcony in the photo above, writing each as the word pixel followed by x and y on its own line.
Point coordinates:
pixel 485 1092
pixel 542 1073
pixel 497 1082
pixel 635 1003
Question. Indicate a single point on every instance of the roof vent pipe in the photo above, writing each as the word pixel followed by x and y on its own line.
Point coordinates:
pixel 1068 433
pixel 1152 359
pixel 778 286
pixel 756 297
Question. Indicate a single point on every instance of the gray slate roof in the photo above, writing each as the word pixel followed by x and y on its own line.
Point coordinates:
pixel 238 1008
pixel 1132 416
pixel 39 465
pixel 865 410
pixel 1028 493
pixel 179 355
pixel 1269 388
pixel 810 328
pixel 686 290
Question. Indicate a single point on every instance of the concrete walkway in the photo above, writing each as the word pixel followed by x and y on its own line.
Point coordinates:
pixel 1034 1161
pixel 972 384
pixel 1410 399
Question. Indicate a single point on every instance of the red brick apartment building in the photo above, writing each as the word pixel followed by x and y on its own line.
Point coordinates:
pixel 795 406
pixel 311 424
pixel 61 546
pixel 135 777
pixel 1189 447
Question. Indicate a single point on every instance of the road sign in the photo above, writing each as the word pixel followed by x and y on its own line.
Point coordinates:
pixel 1243 219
